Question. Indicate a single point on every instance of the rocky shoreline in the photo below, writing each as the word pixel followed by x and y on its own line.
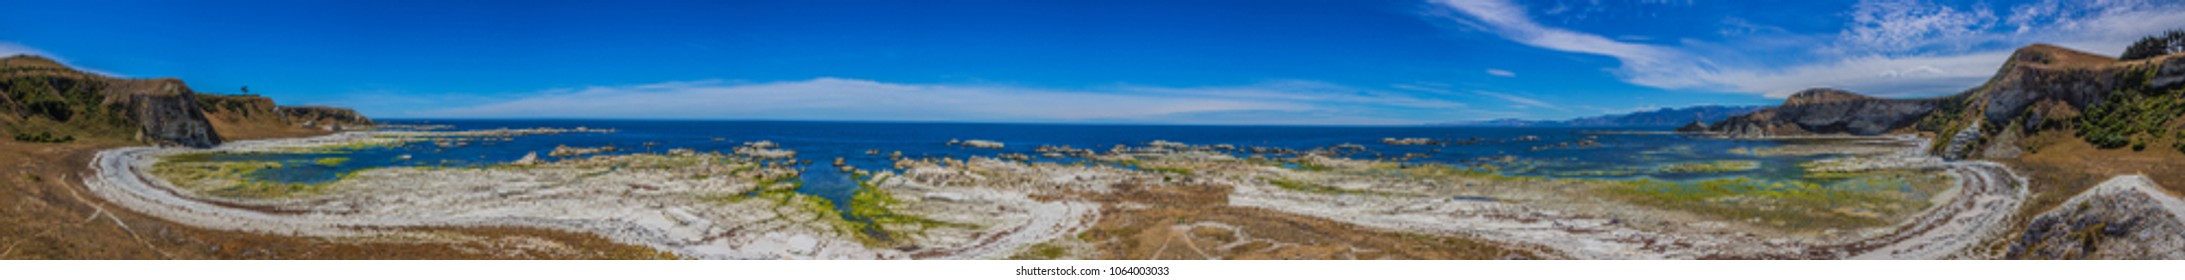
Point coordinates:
pixel 737 205
pixel 658 207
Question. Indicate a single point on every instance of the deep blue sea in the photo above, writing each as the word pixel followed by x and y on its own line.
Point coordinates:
pixel 1622 151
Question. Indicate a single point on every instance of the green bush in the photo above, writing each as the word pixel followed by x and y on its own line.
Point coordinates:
pixel 42 137
pixel 2130 118
pixel 2179 144
pixel 2153 46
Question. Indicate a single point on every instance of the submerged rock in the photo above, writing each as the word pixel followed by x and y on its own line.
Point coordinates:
pixel 762 144
pixel 1410 141
pixel 982 144
pixel 528 159
pixel 1165 144
pixel 566 151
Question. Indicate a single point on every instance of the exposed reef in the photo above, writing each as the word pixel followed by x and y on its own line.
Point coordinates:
pixel 748 204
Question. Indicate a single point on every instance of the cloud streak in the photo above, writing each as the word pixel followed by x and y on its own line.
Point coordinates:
pixel 1887 47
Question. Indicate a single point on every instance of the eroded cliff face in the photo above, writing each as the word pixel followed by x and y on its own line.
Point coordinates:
pixel 166 110
pixel 2045 73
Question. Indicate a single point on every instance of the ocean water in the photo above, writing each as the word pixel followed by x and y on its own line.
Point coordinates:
pixel 1622 152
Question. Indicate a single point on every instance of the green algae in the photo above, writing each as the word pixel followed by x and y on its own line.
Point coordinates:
pixel 1719 166
pixel 1865 200
pixel 331 161
pixel 197 172
pixel 884 225
pixel 1311 187
pixel 389 142
pixel 1042 251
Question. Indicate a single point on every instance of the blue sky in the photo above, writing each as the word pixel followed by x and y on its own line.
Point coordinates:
pixel 1242 62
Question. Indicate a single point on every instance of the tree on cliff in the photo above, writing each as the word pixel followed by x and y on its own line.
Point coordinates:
pixel 2153 46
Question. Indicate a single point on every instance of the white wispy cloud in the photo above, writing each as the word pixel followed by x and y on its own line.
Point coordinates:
pixel 1909 26
pixel 852 99
pixel 1519 101
pixel 1887 47
pixel 1296 91
pixel 1642 63
pixel 1501 73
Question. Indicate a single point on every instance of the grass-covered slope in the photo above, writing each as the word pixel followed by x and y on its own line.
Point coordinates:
pixel 42 101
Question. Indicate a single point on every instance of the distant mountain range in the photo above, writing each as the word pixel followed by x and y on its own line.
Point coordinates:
pixel 1660 117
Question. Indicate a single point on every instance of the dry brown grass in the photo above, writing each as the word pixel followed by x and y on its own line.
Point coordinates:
pixel 2063 166
pixel 234 128
pixel 49 215
pixel 2060 57
pixel 1196 222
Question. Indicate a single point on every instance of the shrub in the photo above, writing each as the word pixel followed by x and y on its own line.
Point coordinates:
pixel 42 137
pixel 2130 118
pixel 2179 144
pixel 2153 46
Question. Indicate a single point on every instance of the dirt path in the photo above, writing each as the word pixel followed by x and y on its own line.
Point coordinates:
pixel 1987 194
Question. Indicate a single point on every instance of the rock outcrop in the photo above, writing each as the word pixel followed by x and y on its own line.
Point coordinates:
pixel 1694 127
pixel 1830 111
pixel 2126 217
pixel 982 144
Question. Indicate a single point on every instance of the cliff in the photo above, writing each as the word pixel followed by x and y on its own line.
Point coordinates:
pixel 41 97
pixel 165 109
pixel 2040 87
pixel 239 117
pixel 1830 111
pixel 325 117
